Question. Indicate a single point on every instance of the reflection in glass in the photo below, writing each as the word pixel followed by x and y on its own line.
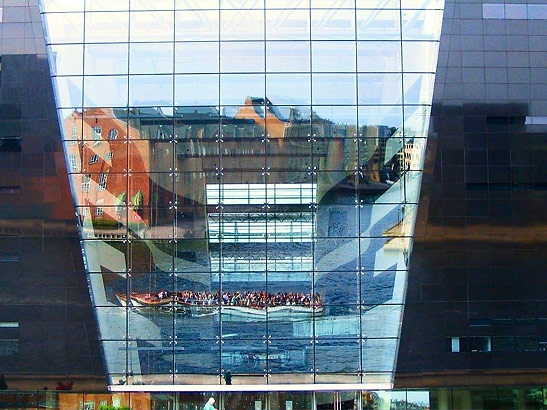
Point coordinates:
pixel 287 24
pixel 106 27
pixel 106 59
pixel 240 213
pixel 333 56
pixel 293 56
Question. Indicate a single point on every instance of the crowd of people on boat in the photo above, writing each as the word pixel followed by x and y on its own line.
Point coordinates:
pixel 245 299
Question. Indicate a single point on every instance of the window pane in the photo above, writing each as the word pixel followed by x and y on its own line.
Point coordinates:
pixel 150 90
pixel 196 4
pixel 418 88
pixel 241 4
pixel 287 56
pixel 422 24
pixel 65 27
pixel 378 56
pixel 69 91
pixel 493 11
pixel 106 5
pixel 420 56
pixel 105 91
pixel 333 89
pixel 106 27
pixel 196 57
pixel 537 11
pixel 287 25
pixel 333 24
pixel 201 26
pixel 241 57
pixel 235 88
pixel 152 26
pixel 66 59
pixel 378 25
pixel 380 89
pixel 388 116
pixel 62 5
pixel 288 89
pixel 106 59
pixel 196 90
pixel 333 56
pixel 151 4
pixel 151 58
pixel 375 4
pixel 242 25
pixel 515 11
pixel 287 4
pixel 422 4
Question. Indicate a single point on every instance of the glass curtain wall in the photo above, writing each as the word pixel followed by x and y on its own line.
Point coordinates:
pixel 245 175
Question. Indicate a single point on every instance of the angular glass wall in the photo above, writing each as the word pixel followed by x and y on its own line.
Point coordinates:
pixel 246 175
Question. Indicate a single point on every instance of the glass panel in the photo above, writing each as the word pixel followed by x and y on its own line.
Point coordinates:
pixel 428 56
pixel 106 5
pixel 241 57
pixel 287 25
pixel 333 24
pixel 192 26
pixel 105 91
pixel 196 4
pixel 493 11
pixel 106 27
pixel 69 91
pixel 64 27
pixel 106 59
pixel 288 89
pixel 152 5
pixel 330 89
pixel 537 11
pixel 62 5
pixel 66 59
pixel 241 4
pixel 152 26
pixel 379 56
pixel 421 24
pixel 515 11
pixel 291 56
pixel 378 25
pixel 418 88
pixel 151 58
pixel 337 356
pixel 196 90
pixel 333 56
pixel 379 88
pixel 242 25
pixel 235 89
pixel 196 57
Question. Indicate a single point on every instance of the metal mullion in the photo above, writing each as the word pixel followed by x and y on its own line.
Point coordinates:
pixel 266 179
pixel 175 216
pixel 220 181
pixel 358 192
pixel 313 213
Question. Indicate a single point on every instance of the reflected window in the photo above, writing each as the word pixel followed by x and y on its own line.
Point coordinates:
pixel 103 178
pixel 112 134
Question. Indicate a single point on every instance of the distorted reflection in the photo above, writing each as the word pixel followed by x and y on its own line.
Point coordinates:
pixel 245 181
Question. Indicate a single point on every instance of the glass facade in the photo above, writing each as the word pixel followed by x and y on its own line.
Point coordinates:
pixel 246 176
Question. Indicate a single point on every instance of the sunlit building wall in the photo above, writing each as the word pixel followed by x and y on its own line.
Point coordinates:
pixel 246 176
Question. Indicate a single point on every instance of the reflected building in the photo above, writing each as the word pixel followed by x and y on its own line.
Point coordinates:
pixel 246 177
